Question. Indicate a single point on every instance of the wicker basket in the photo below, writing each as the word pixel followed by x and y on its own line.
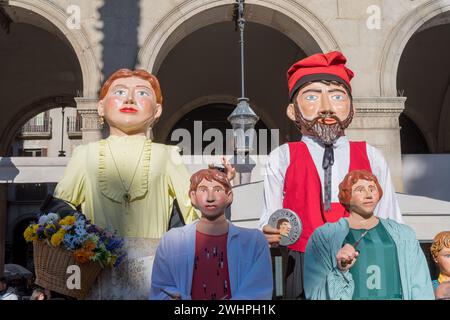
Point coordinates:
pixel 51 264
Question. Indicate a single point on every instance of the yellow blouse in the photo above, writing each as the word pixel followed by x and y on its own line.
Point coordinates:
pixel 92 180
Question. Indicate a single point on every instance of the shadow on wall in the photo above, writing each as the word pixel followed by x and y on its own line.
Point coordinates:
pixel 427 175
pixel 120 23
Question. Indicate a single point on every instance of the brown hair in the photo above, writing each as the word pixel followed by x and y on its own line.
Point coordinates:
pixel 281 221
pixel 345 187
pixel 210 175
pixel 126 73
pixel 440 241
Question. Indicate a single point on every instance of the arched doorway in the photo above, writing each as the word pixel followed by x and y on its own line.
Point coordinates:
pixel 195 53
pixel 424 78
pixel 38 63
pixel 210 65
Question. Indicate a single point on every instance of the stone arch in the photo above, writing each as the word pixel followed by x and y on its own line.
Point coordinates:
pixel 399 37
pixel 77 39
pixel 288 17
pixel 33 108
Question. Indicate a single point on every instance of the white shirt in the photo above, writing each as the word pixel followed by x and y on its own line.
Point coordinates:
pixel 279 160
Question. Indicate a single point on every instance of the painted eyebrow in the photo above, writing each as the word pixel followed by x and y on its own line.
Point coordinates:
pixel 119 86
pixel 142 86
pixel 337 90
pixel 312 90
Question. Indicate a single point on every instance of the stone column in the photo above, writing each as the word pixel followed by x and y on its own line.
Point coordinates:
pixel 91 128
pixel 376 121
pixel 3 216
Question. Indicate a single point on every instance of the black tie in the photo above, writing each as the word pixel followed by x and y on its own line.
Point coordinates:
pixel 327 163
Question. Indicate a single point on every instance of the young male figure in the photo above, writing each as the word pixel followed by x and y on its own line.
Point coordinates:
pixel 212 259
pixel 304 176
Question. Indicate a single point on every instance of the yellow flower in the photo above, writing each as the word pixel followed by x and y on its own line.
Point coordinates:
pixel 30 233
pixel 58 237
pixel 68 220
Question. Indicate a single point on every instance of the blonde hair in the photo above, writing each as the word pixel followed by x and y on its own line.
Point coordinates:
pixel 440 241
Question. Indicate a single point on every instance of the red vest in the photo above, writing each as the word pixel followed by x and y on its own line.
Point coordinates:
pixel 303 189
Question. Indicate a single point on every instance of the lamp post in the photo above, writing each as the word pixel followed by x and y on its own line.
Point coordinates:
pixel 243 118
pixel 62 153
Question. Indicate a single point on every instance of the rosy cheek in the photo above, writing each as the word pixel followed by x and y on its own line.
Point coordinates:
pixel 143 102
pixel 308 111
pixel 116 102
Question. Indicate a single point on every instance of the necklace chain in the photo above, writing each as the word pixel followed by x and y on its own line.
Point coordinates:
pixel 126 196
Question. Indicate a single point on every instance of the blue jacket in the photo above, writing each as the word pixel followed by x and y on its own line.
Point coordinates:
pixel 323 280
pixel 249 264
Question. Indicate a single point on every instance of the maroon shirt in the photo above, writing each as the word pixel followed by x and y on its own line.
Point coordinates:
pixel 210 279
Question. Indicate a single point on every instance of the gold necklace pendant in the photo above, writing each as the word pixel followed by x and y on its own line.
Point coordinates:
pixel 126 196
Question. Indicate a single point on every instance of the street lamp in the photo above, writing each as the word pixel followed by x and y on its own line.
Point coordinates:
pixel 243 118
pixel 62 153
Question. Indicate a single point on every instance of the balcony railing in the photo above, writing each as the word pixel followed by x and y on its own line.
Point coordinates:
pixel 37 128
pixel 74 125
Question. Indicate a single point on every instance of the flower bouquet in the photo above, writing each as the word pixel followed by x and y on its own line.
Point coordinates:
pixel 70 252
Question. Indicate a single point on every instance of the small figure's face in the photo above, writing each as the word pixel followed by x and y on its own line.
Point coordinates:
pixel 365 197
pixel 285 228
pixel 443 261
pixel 211 199
pixel 130 105
pixel 319 99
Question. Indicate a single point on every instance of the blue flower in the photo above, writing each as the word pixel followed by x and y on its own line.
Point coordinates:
pixel 114 244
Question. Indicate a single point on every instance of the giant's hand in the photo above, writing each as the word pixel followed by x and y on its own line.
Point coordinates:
pixel 272 235
pixel 229 169
pixel 346 257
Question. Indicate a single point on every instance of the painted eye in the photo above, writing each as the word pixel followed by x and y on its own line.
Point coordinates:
pixel 338 97
pixel 311 98
pixel 120 92
pixel 143 93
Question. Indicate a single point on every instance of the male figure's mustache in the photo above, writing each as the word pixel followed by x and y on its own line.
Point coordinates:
pixel 312 123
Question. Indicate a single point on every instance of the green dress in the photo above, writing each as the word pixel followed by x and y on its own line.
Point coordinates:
pixel 376 271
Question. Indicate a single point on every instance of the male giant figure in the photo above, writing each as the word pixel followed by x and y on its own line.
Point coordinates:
pixel 304 176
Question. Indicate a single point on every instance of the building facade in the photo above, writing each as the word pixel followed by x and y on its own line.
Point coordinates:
pixel 56 54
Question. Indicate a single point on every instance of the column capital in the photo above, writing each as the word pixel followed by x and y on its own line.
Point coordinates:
pixel 91 128
pixel 86 103
pixel 376 121
pixel 379 106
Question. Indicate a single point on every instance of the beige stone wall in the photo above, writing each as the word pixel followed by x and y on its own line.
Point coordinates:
pixel 373 52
